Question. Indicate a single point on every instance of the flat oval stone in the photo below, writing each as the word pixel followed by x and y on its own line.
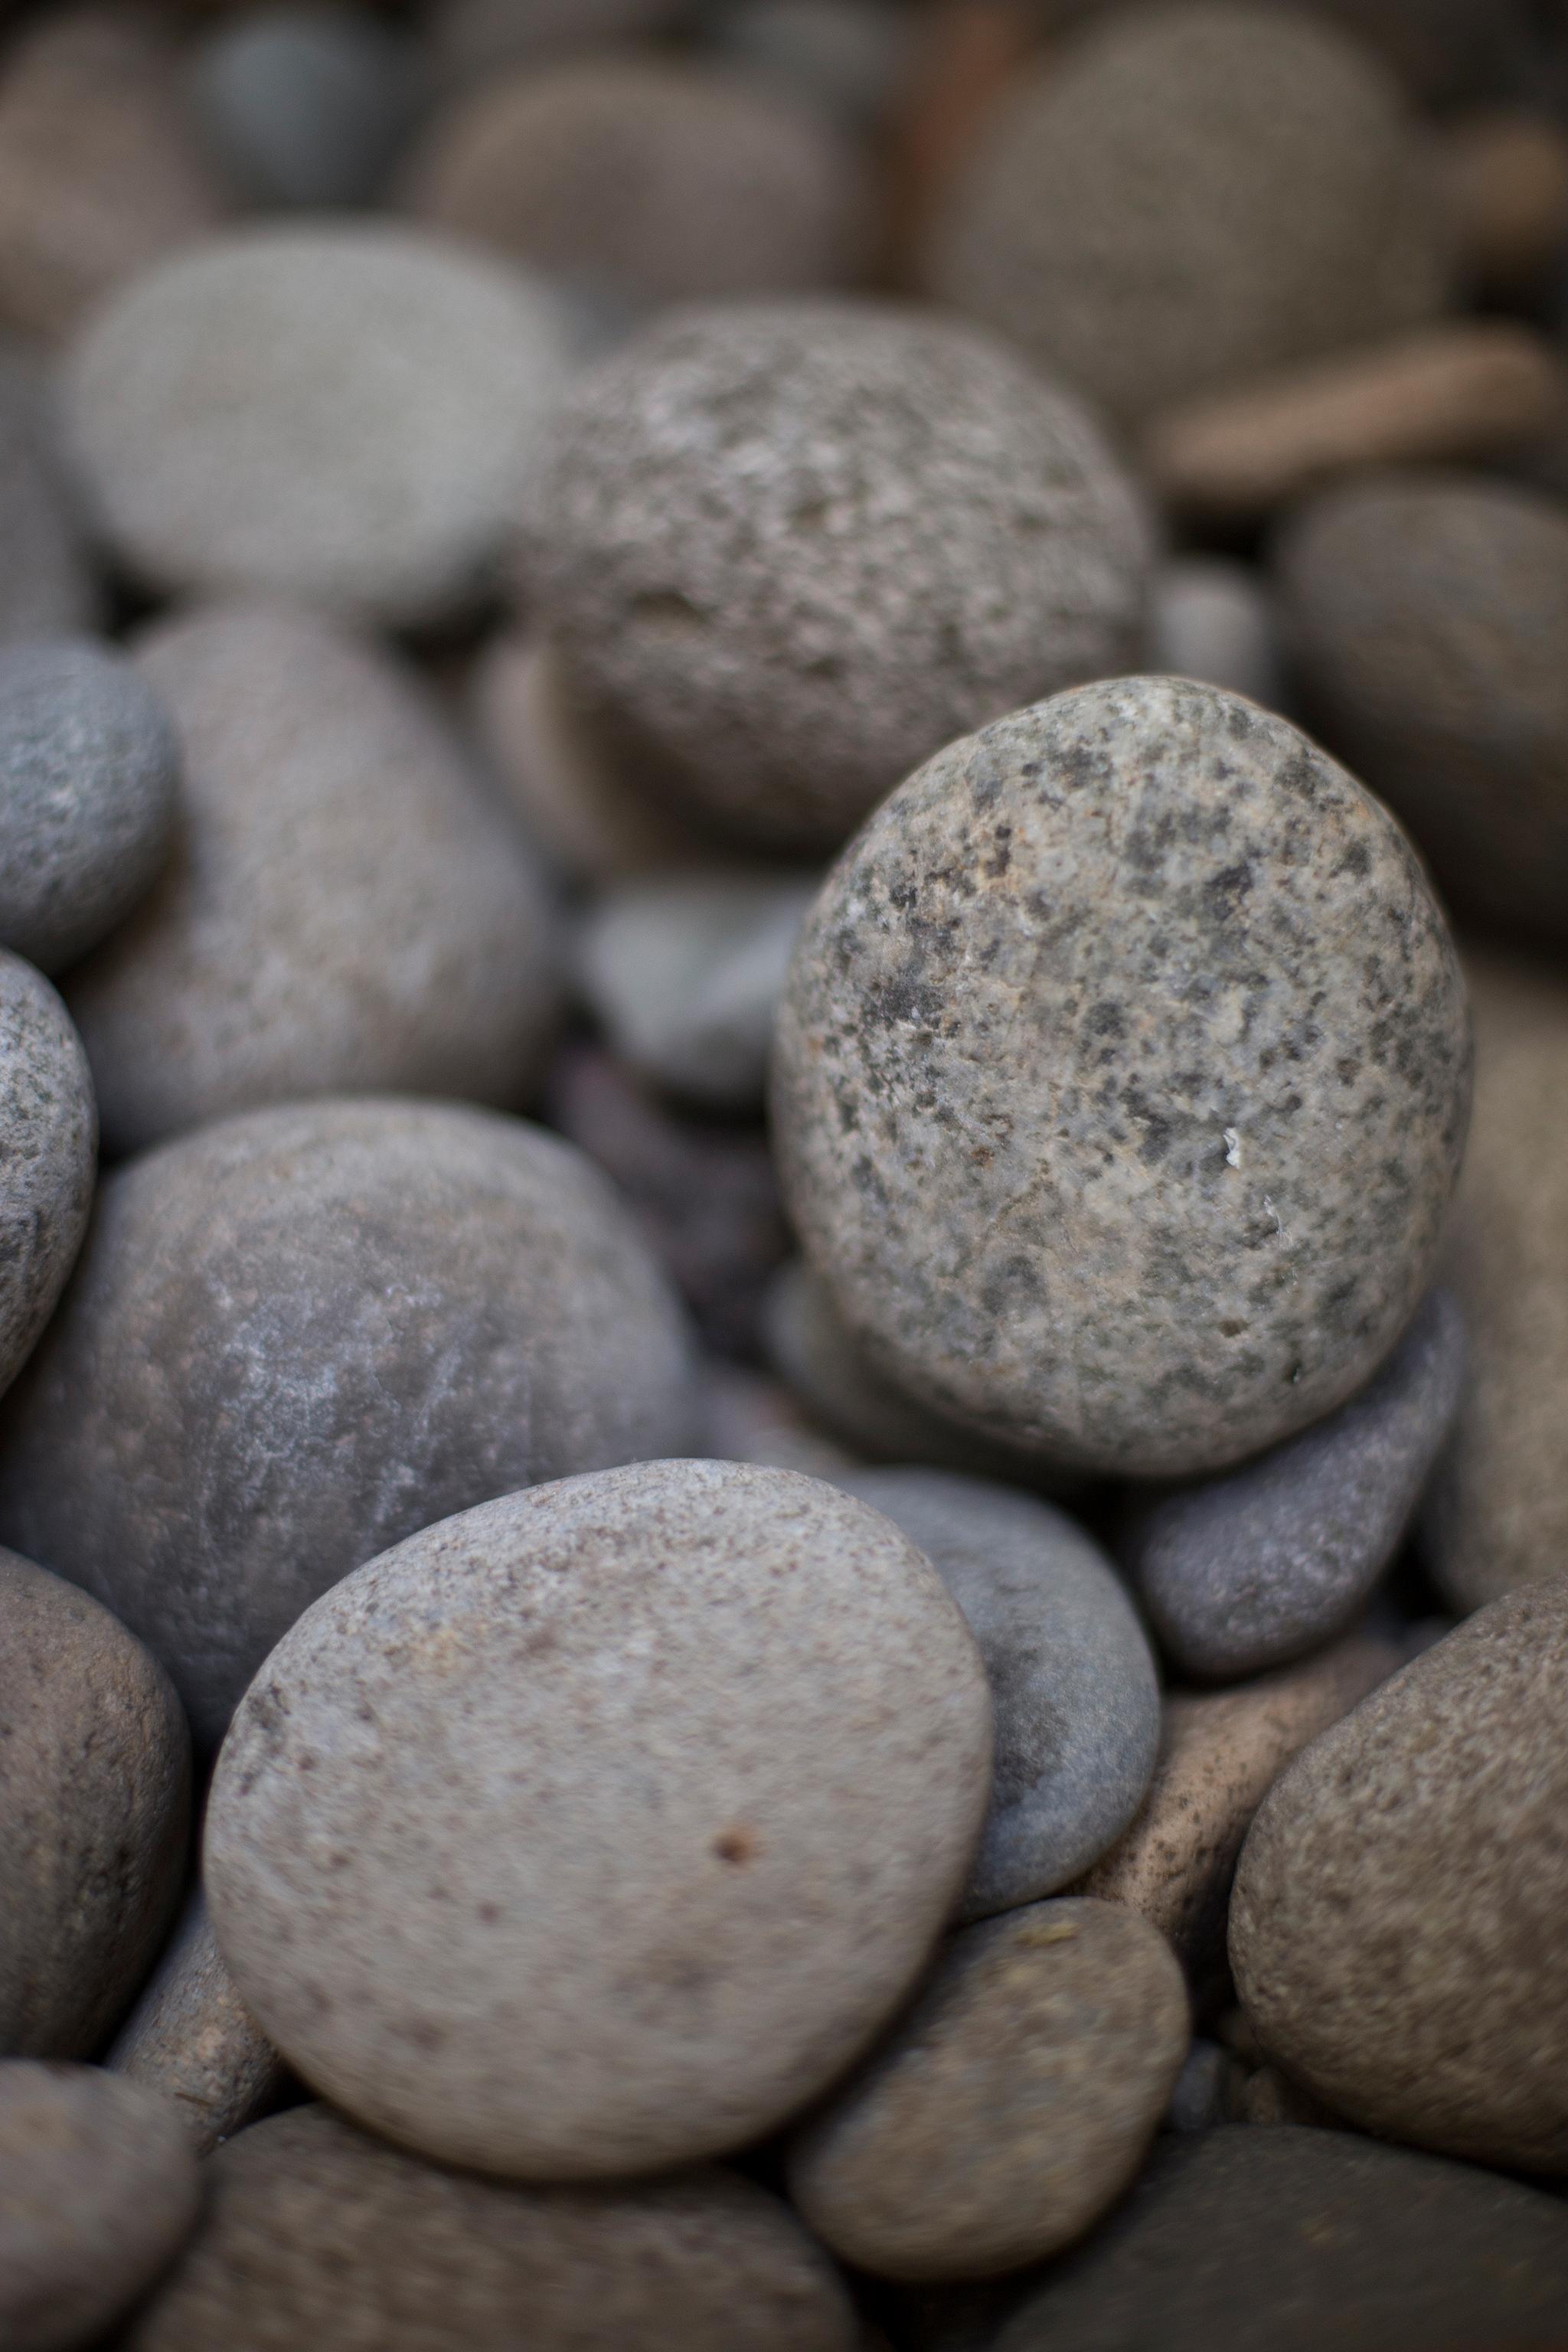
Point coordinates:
pixel 1139 1153
pixel 360 2239
pixel 1009 2108
pixel 1074 1691
pixel 190 2037
pixel 300 1335
pixel 559 1931
pixel 49 1121
pixel 1393 1930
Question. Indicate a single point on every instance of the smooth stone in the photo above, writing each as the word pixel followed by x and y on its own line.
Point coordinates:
pixel 683 973
pixel 1395 1926
pixel 1252 1570
pixel 344 911
pixel 788 550
pixel 561 1935
pixel 190 2037
pixel 1504 177
pixel 339 411
pixel 1149 1191
pixel 1219 1754
pixel 751 1417
pixel 1074 1692
pixel 299 1335
pixel 1009 2108
pixel 99 2189
pixel 50 1123
pixel 94 1813
pixel 89 772
pixel 48 584
pixel 306 105
pixel 1270 2097
pixel 847 57
pixel 1426 616
pixel 1261 2240
pixel 1211 618
pixel 1198 2100
pixel 471 38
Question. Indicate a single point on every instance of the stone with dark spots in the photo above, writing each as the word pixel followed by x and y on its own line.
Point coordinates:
pixel 1122 1080
pixel 49 1121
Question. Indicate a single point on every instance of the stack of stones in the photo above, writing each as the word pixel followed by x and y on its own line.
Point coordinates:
pixel 784 1243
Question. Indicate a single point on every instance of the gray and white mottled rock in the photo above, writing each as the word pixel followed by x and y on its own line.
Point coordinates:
pixel 1210 617
pixel 373 1313
pixel 561 1934
pixel 99 2189
pixel 342 412
pixel 1251 1570
pixel 315 2232
pixel 190 2037
pixel 1074 1692
pixel 88 775
pixel 343 912
pixel 1394 1926
pixel 306 105
pixel 1121 1081
pixel 1009 2108
pixel 94 1809
pixel 47 587
pixel 790 549
pixel 50 1123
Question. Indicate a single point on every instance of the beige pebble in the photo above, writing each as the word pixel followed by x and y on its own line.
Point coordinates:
pixel 191 2036
pixel 1504 175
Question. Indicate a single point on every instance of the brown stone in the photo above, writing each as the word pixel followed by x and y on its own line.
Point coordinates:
pixel 1505 177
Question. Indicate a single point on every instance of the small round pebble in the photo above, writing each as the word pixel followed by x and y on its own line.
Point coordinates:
pixel 649 1794
pixel 1074 1691
pixel 50 1123
pixel 375 1313
pixel 94 1812
pixel 99 2189
pixel 1197 2101
pixel 190 2037
pixel 341 413
pixel 89 777
pixel 306 105
pixel 788 550
pixel 48 584
pixel 1139 1153
pixel 1010 2107
pixel 1211 618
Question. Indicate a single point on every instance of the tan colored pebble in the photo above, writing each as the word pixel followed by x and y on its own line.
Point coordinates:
pixel 191 2036
pixel 1504 175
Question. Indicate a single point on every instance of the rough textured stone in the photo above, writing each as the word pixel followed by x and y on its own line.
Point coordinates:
pixel 1211 618
pixel 50 1129
pixel 1121 1081
pixel 1191 195
pixel 1427 616
pixel 1394 1929
pixel 47 588
pixel 306 105
pixel 190 2037
pixel 789 549
pixel 1074 1692
pixel 1010 2107
pixel 99 2189
pixel 341 413
pixel 94 1804
pixel 316 2234
pixel 297 1336
pixel 88 775
pixel 344 912
pixel 1250 1571
pixel 1258 2240
pixel 561 1933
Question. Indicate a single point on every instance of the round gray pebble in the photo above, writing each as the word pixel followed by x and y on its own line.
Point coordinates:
pixel 298 1336
pixel 306 105
pixel 645 1797
pixel 1122 1079
pixel 1073 1687
pixel 1211 617
pixel 89 776
pixel 50 1123
pixel 789 549
pixel 1250 1570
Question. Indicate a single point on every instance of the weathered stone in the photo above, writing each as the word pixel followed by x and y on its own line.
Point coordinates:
pixel 190 2037
pixel 50 1123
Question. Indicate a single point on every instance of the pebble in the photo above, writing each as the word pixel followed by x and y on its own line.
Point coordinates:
pixel 1188 197
pixel 1254 2240
pixel 847 57
pixel 1148 1192
pixel 1197 2101
pixel 647 179
pixel 377 1313
pixel 753 1418
pixel 1219 1754
pixel 1211 617
pixel 88 778
pixel 1074 1692
pixel 94 1809
pixel 1010 2107
pixel 1252 1570
pixel 190 2037
pixel 1427 616
pixel 99 2189
pixel 1505 177
pixel 315 2234
pixel 345 912
pixel 51 1130
pixel 1394 1931
pixel 306 105
pixel 47 587
pixel 469 39
pixel 790 549
pixel 562 1936
pixel 683 973
pixel 339 411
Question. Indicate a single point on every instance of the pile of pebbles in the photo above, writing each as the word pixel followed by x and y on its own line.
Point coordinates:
pixel 784 1175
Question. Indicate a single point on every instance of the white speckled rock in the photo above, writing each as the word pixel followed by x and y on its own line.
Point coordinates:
pixel 190 2037
pixel 49 1123
pixel 306 105
pixel 646 1794
pixel 1210 617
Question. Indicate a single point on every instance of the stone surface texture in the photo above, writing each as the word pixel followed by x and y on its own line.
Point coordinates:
pixel 47 588
pixel 190 2037
pixel 50 1123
